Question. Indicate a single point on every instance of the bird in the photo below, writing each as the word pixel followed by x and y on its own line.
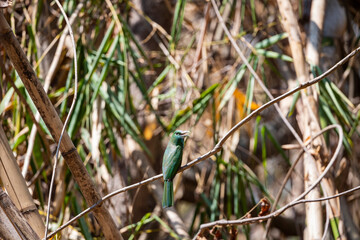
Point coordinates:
pixel 171 164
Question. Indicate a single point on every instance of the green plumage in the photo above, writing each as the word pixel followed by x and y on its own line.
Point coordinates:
pixel 171 164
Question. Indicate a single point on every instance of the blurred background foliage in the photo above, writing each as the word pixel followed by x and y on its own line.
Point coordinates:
pixel 147 68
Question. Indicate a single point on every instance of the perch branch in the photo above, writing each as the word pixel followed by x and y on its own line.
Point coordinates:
pixel 277 198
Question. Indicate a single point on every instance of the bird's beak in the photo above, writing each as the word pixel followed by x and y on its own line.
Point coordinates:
pixel 184 133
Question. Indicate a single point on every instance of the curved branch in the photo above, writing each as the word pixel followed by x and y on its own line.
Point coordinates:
pixel 277 198
pixel 296 200
pixel 274 214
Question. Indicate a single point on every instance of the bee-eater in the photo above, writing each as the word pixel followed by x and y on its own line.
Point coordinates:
pixel 171 164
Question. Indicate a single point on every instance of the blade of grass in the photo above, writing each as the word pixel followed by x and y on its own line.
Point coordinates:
pixel 268 42
pixel 198 104
pixel 228 91
pixel 277 145
pixel 263 152
pixel 177 24
pixel 250 89
pixel 272 54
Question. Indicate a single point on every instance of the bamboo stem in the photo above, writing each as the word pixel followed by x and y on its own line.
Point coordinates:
pixel 16 186
pixel 19 222
pixel 308 121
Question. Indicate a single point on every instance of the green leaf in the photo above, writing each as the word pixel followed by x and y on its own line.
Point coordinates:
pixel 104 43
pixel 263 146
pixel 296 97
pixel 250 89
pixel 162 223
pixel 6 100
pixel 19 139
pixel 336 103
pixel 82 224
pixel 145 220
pixel 228 91
pixel 270 41
pixel 253 14
pixel 214 204
pixel 256 133
pixel 325 108
pixel 141 85
pixel 229 191
pixel 198 105
pixel 159 79
pixel 110 133
pixel 128 124
pixel 334 223
pixel 105 156
pixel 272 54
pixel 177 23
pixel 277 146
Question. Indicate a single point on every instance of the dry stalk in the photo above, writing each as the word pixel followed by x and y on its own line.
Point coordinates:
pixel 313 52
pixel 18 221
pixel 307 120
pixel 16 186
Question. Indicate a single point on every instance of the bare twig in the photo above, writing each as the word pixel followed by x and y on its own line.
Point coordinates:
pixel 153 24
pixel 49 77
pixel 218 146
pixel 296 200
pixel 308 121
pixel 277 198
pixel 256 76
pixel 274 214
pixel 201 39
pixel 67 118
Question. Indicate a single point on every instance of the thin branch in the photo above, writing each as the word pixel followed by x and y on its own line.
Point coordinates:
pixel 296 200
pixel 218 146
pixel 49 77
pixel 256 76
pixel 274 214
pixel 67 118
pixel 289 174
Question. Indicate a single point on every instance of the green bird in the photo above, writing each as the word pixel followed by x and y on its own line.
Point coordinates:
pixel 171 164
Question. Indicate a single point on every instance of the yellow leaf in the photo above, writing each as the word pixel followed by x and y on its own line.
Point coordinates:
pixel 240 101
pixel 149 129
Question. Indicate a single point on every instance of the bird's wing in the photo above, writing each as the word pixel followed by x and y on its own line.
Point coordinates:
pixel 171 161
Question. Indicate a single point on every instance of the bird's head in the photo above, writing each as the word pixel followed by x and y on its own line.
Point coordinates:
pixel 178 136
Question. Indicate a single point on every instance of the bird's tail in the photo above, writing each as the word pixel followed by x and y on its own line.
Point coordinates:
pixel 168 195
